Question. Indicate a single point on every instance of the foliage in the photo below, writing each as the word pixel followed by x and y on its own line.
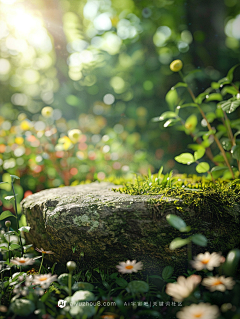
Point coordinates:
pixel 225 136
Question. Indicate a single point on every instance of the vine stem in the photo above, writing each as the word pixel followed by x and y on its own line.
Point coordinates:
pixel 209 127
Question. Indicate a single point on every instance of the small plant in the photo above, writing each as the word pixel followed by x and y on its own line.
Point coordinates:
pixel 219 104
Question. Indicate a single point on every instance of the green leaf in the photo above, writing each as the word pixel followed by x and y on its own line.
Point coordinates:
pixel 176 221
pixel 14 246
pixel 229 90
pixel 210 116
pixel 202 167
pixel 219 168
pixel 201 97
pixel 6 214
pixel 215 85
pixel 14 177
pixel 187 228
pixel 3 182
pixel 137 286
pixel 226 143
pixel 164 116
pixel 172 99
pixel 25 229
pixel 189 104
pixel 171 122
pixel 199 153
pixel 179 242
pixel 236 152
pixel 180 84
pixel 199 239
pixel 230 105
pixel 185 158
pixel 191 123
pixel 232 261
pixel 9 197
pixel 167 272
pixel 224 81
pixel 121 282
pixel 230 72
pixel 3 247
pixel 214 97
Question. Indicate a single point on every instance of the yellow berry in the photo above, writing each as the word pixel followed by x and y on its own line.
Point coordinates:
pixel 176 65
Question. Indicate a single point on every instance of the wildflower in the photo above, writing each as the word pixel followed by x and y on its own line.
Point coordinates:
pixel 218 283
pixel 22 261
pixel 129 266
pixel 74 135
pixel 44 251
pixel 200 311
pixel 176 65
pixel 207 261
pixel 183 287
pixel 47 111
pixel 43 280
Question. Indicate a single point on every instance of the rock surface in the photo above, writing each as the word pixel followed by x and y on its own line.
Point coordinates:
pixel 97 227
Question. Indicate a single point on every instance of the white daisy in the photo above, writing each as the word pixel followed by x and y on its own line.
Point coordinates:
pixel 207 261
pixel 183 287
pixel 43 280
pixel 22 261
pixel 129 266
pixel 218 283
pixel 200 311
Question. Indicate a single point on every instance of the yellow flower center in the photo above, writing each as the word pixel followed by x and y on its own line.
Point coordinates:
pixel 217 282
pixel 43 278
pixel 129 267
pixel 198 315
pixel 205 261
pixel 22 261
pixel 43 252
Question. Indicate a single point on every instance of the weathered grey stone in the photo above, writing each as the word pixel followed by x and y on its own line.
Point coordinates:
pixel 108 227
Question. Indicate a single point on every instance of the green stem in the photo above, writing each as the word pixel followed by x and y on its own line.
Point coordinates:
pixel 209 127
pixel 15 203
pixel 70 283
pixel 41 264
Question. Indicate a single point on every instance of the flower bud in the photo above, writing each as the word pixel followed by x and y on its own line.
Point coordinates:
pixel 71 265
pixel 8 223
pixel 47 111
pixel 176 65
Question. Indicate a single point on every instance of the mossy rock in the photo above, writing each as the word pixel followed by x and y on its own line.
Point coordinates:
pixel 98 228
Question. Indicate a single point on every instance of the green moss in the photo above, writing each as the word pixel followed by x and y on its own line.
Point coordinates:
pixel 188 193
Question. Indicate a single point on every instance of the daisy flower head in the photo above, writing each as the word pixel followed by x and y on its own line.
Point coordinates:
pixel 44 251
pixel 183 287
pixel 218 283
pixel 129 266
pixel 43 280
pixel 207 261
pixel 22 261
pixel 200 311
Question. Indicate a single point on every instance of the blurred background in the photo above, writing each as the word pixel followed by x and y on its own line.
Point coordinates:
pixel 103 68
